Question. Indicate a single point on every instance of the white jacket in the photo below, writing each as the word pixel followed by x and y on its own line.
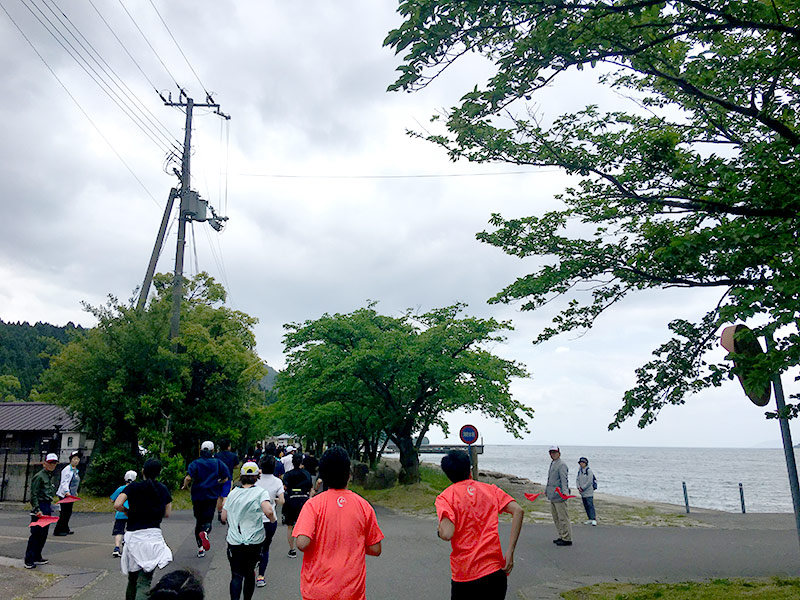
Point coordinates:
pixel 67 473
pixel 144 550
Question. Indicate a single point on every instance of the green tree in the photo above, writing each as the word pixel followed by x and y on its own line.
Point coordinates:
pixel 9 388
pixel 130 387
pixel 398 375
pixel 697 185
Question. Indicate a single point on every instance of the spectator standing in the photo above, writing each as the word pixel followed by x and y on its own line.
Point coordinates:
pixel 231 459
pixel 148 503
pixel 120 518
pixel 468 512
pixel 274 486
pixel 297 489
pixel 68 486
pixel 558 477
pixel 243 512
pixel 335 531
pixel 584 481
pixel 43 489
pixel 206 474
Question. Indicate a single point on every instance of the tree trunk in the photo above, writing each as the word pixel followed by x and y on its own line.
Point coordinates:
pixel 409 461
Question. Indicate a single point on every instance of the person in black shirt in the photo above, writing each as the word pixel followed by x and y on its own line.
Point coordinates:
pixel 297 484
pixel 149 502
pixel 231 459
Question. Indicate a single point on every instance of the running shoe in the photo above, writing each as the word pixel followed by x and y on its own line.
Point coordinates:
pixel 201 553
pixel 116 553
pixel 41 561
pixel 205 541
pixel 260 582
pixel 29 566
pixel 292 554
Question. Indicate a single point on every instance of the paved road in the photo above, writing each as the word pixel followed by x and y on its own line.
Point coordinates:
pixel 414 563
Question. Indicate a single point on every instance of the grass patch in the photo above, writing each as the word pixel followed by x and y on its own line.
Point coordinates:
pixel 415 499
pixel 181 500
pixel 773 588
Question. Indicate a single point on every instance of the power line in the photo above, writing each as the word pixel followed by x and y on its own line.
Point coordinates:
pixel 179 48
pixel 130 16
pixel 85 114
pixel 75 54
pixel 150 120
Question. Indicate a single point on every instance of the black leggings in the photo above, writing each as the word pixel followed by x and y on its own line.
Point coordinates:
pixel 243 559
pixel 203 517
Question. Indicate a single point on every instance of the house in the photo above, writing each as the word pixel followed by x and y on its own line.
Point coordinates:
pixel 41 428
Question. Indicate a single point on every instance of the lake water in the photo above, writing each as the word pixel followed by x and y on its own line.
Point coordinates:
pixel 712 475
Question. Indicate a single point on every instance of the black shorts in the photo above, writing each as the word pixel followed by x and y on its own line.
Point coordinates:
pixel 291 509
pixel 488 587
pixel 119 526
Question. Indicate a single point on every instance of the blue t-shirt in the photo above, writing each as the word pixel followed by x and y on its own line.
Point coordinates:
pixel 206 473
pixel 120 515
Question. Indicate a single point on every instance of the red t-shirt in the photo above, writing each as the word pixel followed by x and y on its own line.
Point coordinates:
pixel 473 507
pixel 340 524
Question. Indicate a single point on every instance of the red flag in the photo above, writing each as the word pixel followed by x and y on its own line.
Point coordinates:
pixel 67 499
pixel 43 521
pixel 560 493
pixel 532 497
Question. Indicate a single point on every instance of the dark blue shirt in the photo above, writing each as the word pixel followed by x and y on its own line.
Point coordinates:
pixel 206 472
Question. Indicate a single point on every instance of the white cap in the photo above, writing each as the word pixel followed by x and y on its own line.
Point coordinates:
pixel 249 468
pixel 51 458
pixel 130 476
pixel 290 448
pixel 554 448
pixel 207 445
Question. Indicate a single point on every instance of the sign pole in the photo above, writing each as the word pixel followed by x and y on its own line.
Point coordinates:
pixel 469 435
pixel 786 435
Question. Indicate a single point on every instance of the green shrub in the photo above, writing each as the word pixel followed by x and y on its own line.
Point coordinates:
pixel 105 471
pixel 173 470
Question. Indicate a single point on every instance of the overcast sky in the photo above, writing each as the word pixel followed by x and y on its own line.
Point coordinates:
pixel 330 203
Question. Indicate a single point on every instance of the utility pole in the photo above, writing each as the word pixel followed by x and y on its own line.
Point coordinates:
pixel 192 207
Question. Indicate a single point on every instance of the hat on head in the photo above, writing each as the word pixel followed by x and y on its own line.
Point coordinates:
pixel 74 453
pixel 207 445
pixel 583 459
pixel 130 476
pixel 554 448
pixel 290 448
pixel 249 468
pixel 51 458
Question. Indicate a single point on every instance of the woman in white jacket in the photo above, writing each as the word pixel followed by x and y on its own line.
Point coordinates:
pixel 68 486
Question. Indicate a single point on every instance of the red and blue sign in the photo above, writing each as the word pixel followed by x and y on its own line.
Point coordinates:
pixel 469 434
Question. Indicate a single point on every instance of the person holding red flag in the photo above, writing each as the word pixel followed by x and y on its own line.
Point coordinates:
pixel 557 491
pixel 43 489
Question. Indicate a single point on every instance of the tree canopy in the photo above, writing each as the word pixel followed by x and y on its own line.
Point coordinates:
pixel 129 387
pixel 695 185
pixel 360 377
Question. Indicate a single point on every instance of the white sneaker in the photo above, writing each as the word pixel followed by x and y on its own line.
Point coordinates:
pixel 589 522
pixel 593 522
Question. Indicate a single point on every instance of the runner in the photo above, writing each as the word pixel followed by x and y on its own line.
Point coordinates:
pixel 231 460
pixel 120 518
pixel 297 486
pixel 467 512
pixel 335 532
pixel 274 486
pixel 243 512
pixel 42 491
pixel 206 474
pixel 148 502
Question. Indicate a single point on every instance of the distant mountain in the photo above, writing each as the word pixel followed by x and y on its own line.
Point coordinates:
pixel 24 349
pixel 268 381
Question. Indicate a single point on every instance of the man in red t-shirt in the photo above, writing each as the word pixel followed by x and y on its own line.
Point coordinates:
pixel 335 531
pixel 468 518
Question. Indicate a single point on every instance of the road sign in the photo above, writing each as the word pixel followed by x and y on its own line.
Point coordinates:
pixel 740 339
pixel 469 434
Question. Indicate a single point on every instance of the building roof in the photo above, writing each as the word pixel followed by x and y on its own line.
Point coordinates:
pixel 35 416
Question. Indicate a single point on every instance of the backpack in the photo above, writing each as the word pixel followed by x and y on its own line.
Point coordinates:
pixel 594 482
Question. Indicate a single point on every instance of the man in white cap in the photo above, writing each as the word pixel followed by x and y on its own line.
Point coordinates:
pixel 556 490
pixel 206 474
pixel 43 488
pixel 286 459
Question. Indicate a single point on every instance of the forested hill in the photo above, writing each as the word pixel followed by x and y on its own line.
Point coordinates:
pixel 22 346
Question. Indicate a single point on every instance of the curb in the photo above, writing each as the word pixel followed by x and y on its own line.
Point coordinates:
pixel 72 583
